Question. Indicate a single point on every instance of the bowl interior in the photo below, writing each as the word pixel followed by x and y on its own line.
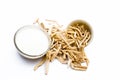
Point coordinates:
pixel 80 23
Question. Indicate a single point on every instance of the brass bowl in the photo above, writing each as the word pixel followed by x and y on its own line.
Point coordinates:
pixel 21 51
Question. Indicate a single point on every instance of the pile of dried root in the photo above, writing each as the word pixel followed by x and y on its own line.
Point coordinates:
pixel 67 45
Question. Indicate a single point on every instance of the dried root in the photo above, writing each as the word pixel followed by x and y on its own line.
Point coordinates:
pixel 67 46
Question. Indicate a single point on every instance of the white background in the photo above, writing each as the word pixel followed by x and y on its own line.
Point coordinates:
pixel 103 52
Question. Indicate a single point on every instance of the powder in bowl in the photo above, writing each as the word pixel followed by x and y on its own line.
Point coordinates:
pixel 31 41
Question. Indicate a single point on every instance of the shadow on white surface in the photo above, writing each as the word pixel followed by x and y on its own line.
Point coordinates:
pixel 26 60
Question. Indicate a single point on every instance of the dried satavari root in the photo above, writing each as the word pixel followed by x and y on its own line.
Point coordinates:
pixel 67 46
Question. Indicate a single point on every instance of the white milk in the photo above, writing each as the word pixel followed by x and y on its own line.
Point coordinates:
pixel 31 40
